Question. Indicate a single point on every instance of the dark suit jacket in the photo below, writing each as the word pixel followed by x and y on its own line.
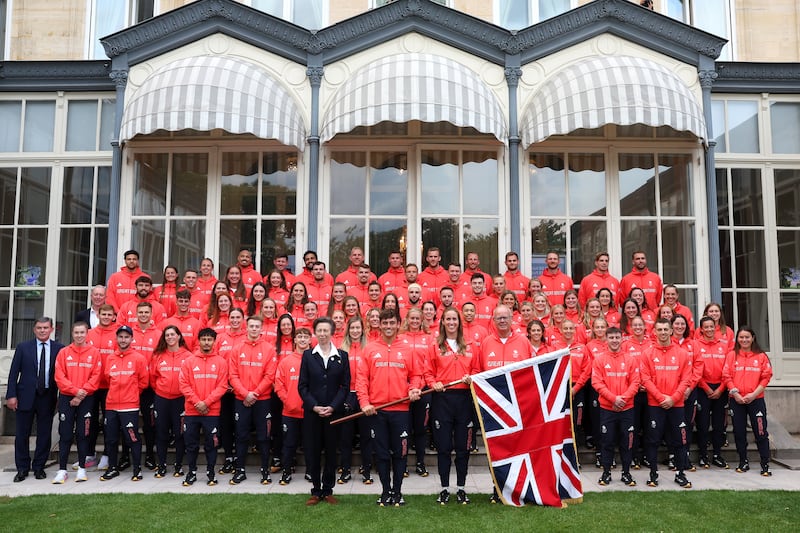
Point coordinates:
pixel 84 316
pixel 320 386
pixel 22 376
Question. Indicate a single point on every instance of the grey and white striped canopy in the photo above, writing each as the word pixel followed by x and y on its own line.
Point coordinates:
pixel 209 92
pixel 414 86
pixel 603 90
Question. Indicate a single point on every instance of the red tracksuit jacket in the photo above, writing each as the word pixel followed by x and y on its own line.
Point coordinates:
pixel 666 371
pixel 287 376
pixel 251 367
pixel 78 367
pixel 615 374
pixel 387 373
pixel 203 378
pixel 165 372
pixel 128 375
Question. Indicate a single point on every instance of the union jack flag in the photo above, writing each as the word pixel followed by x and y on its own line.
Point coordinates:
pixel 526 420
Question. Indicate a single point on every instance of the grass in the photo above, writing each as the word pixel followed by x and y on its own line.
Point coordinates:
pixel 711 511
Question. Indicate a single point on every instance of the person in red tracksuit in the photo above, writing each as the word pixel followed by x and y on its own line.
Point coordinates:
pixel 165 370
pixel 350 276
pixel 78 369
pixel 252 365
pixel 449 360
pixel 203 381
pixel 712 398
pixel 394 279
pixel 249 274
pixel 127 313
pixel 515 281
pixel 128 375
pixel 145 339
pixel 287 377
pixel 121 285
pixel 746 374
pixel 104 338
pixel 554 282
pixel 500 348
pixel 616 378
pixel 183 319
pixel 433 277
pixel 389 371
pixel 640 276
pixel 598 279
pixel 666 373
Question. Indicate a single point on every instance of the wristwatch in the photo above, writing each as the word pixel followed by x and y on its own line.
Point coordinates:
pixel 734 391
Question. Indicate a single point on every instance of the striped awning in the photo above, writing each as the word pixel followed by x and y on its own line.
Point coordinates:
pixel 414 86
pixel 211 92
pixel 619 90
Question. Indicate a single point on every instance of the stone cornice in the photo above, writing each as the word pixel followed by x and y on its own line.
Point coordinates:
pixel 55 75
pixel 757 77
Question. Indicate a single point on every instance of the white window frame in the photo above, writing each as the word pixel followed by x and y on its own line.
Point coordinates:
pixel 533 9
pixel 131 8
pixel 690 17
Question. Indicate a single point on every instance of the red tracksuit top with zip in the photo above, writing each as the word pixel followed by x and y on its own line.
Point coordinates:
pixel 128 375
pixel 615 374
pixel 555 285
pixel 78 367
pixel 204 378
pixel 448 366
pixel 666 371
pixel 251 367
pixel 165 372
pixel 388 372
pixel 713 353
pixel 287 377
pixel 746 372
pixel 105 340
pixel 495 353
pixel 580 362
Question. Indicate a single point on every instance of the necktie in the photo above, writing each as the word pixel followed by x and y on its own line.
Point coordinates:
pixel 41 384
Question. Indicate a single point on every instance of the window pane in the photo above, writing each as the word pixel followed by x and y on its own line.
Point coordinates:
pixel 150 184
pixel 743 126
pixel 348 183
pixel 73 264
pixel 28 306
pixel 480 235
pixel 548 187
pixel 746 189
pixel 443 234
pixel 100 254
pixel 277 236
pixel 307 13
pixel 723 217
pixel 384 236
pixel 790 321
pixel 678 252
pixel 273 7
pixel 637 185
pixel 675 10
pixel 345 234
pixel 189 184
pixel 6 243
pixel 81 125
pixel 675 184
pixel 480 183
pixel 440 182
pixel 279 189
pixel 750 258
pixel 514 14
pixel 77 196
pixel 10 118
pixel 39 126
pixel 68 304
pixel 388 183
pixel 107 123
pixel 234 234
pixel 787 197
pixel 587 185
pixel 34 202
pixel 785 127
pixel 108 19
pixel 639 235
pixel 711 16
pixel 587 238
pixel 548 234
pixel 789 259
pixel 31 257
pixel 551 8
pixel 187 242
pixel 718 122
pixel 239 183
pixel 753 311
pixel 5 313
pixel 103 195
pixel 147 236
pixel 8 190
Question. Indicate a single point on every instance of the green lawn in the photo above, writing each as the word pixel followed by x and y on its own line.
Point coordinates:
pixel 689 511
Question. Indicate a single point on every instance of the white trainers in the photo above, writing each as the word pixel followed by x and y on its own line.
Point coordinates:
pixel 103 464
pixel 61 477
pixel 81 475
pixel 76 465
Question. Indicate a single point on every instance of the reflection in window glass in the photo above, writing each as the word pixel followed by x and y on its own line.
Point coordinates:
pixel 440 182
pixel 107 133
pixel 388 182
pixel 385 235
pixel 187 240
pixel 73 264
pixel 345 234
pixel 10 118
pixel 480 235
pixel 785 120
pixel 100 261
pixel 34 202
pixel 239 183
pixel 551 8
pixel 68 304
pixel 31 257
pixel 442 233
pixel 748 200
pixel 678 254
pixel 547 186
pixel 8 195
pixel 81 125
pixel 587 237
pixel 743 126
pixel 6 243
pixel 718 122
pixel 5 306
pixel 150 184
pixel 307 13
pixel 750 263
pixel 480 169
pixel 279 190
pixel 147 236
pixel 637 189
pixel 587 178
pixel 752 309
pixel 639 235
pixel 234 234
pixel 108 18
pixel 548 234
pixel 789 258
pixel 790 321
pixel 514 14
pixel 675 184
pixel 77 195
pixel 189 184
pixel 277 236
pixel 712 16
pixel 725 258
pixel 28 306
pixel 103 195
pixel 723 218
pixel 348 183
pixel 676 9
pixel 39 126
pixel 787 196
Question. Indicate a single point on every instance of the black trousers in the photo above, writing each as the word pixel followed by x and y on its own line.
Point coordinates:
pixel 126 422
pixel 292 429
pixel 667 424
pixel 318 436
pixel 452 430
pixel 710 421
pixel 74 422
pixel 616 430
pixel 43 411
pixel 756 411
pixel 390 442
pixel 191 436
pixel 256 418
pixel 168 414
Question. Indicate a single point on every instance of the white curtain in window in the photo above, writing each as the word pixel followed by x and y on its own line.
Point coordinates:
pixel 109 16
pixel 307 13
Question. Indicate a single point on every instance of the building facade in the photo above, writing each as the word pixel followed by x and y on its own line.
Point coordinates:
pixel 188 129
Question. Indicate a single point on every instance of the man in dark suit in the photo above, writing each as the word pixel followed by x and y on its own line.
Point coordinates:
pixel 32 393
pixel 323 384
pixel 92 315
